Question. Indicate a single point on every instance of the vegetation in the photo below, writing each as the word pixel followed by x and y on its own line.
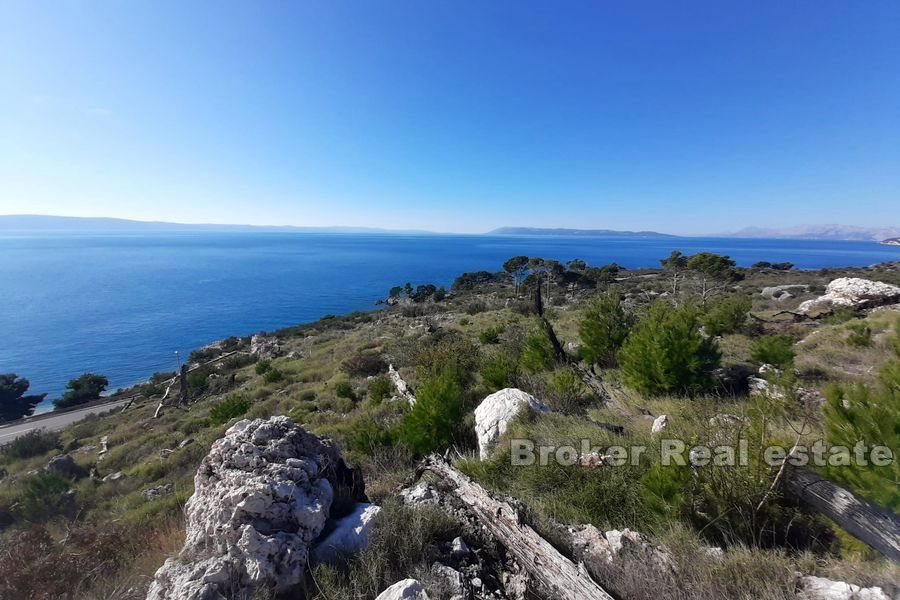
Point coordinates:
pixel 14 404
pixel 227 409
pixel 776 350
pixel 666 352
pixel 604 328
pixel 58 531
pixel 433 423
pixel 85 389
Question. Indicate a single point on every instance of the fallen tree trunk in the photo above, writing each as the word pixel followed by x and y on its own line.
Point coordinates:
pixel 869 523
pixel 554 575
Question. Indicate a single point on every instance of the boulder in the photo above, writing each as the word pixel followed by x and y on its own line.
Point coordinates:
pixel 493 415
pixel 349 536
pixel 820 588
pixel 408 589
pixel 659 423
pixel 261 496
pixel 852 292
pixel 591 544
pixel 784 292
pixel 63 465
pixel 421 493
pixel 458 548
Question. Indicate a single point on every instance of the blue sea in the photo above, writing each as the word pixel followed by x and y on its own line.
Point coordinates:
pixel 122 305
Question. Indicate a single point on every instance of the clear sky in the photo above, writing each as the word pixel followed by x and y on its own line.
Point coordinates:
pixel 684 117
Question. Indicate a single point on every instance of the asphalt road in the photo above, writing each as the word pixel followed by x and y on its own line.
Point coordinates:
pixel 54 422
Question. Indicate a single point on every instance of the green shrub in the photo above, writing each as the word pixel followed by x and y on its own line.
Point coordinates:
pixel 380 388
pixel 475 307
pixel 728 315
pixel 198 381
pixel 434 422
pixel 273 375
pixel 447 350
pixel 665 352
pixel 604 328
pixel 499 371
pixel 227 409
pixel 777 350
pixel 364 364
pixel 33 443
pixel 859 335
pixel 565 391
pixel 343 389
pixel 869 414
pixel 537 352
pixel 44 495
pixel 491 335
pixel 263 366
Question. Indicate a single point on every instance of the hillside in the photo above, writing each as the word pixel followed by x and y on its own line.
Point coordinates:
pixel 821 232
pixel 95 510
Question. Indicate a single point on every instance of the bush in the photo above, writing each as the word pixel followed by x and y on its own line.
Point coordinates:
pixel 728 315
pixel 263 366
pixel 364 364
pixel 227 409
pixel 665 352
pixel 499 371
pixel 44 495
pixel 566 391
pixel 537 352
pixel 343 389
pixel 777 350
pixel 273 375
pixel 491 335
pixel 603 329
pixel 33 443
pixel 86 388
pixel 434 422
pixel 855 413
pixel 447 351
pixel 475 307
pixel 860 335
pixel 380 388
pixel 198 381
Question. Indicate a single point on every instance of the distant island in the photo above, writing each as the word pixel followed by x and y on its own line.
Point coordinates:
pixel 576 232
pixel 55 224
pixel 821 232
pixel 891 241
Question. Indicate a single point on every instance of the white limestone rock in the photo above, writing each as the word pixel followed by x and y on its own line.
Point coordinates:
pixel 659 423
pixel 820 588
pixel 408 589
pixel 784 292
pixel 493 415
pixel 264 347
pixel 349 536
pixel 260 498
pixel 852 292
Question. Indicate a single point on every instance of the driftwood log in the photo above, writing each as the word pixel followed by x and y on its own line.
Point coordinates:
pixel 869 523
pixel 554 576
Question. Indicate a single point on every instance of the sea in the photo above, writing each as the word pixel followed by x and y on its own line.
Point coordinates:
pixel 128 305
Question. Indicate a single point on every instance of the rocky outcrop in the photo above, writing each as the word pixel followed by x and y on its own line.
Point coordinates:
pixel 493 415
pixel 591 544
pixel 820 588
pixel 408 589
pixel 349 536
pixel 852 292
pixel 265 347
pixel 262 495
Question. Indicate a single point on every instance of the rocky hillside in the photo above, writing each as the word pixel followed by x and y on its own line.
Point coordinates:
pixel 510 438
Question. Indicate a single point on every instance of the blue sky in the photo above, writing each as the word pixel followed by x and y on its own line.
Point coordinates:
pixel 684 117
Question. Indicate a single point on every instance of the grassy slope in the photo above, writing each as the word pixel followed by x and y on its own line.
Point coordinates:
pixel 307 392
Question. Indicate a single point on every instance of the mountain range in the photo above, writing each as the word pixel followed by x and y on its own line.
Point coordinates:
pixel 50 224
